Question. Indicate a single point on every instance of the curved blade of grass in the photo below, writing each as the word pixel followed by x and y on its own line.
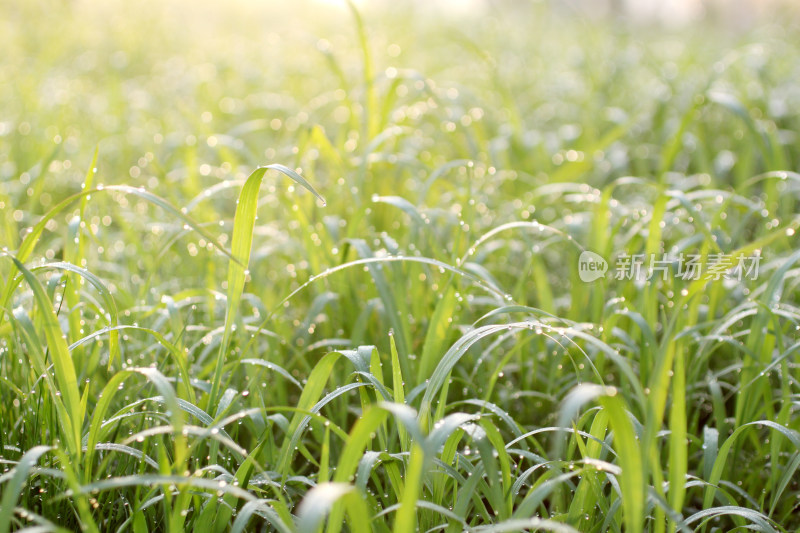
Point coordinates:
pixel 121 448
pixel 13 487
pixel 241 242
pixel 263 509
pixel 35 232
pixel 108 300
pixel 178 356
pixel 112 387
pixel 754 516
pixel 522 525
pixel 319 501
pixel 724 450
pixel 66 378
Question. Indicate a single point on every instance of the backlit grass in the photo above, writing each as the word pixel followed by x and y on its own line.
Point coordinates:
pixel 273 268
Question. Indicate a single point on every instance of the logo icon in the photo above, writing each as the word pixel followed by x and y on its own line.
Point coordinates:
pixel 591 266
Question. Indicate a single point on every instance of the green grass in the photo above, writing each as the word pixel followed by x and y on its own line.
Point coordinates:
pixel 317 268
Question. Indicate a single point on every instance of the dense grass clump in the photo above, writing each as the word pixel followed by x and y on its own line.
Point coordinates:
pixel 283 269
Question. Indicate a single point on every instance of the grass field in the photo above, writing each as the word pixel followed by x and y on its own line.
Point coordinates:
pixel 271 268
